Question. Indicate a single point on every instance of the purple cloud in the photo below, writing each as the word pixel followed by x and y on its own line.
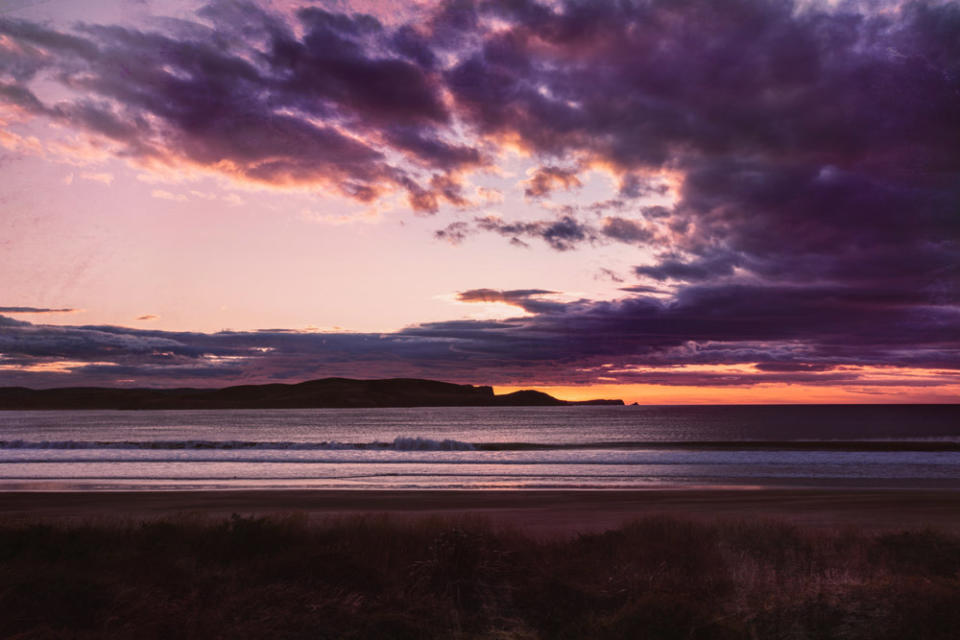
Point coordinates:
pixel 814 151
pixel 241 94
pixel 800 334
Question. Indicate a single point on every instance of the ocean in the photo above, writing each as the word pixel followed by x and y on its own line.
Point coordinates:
pixel 575 447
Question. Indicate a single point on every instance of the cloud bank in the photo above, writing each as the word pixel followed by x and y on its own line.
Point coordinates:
pixel 812 151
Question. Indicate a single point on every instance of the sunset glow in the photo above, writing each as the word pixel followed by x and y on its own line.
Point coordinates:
pixel 622 200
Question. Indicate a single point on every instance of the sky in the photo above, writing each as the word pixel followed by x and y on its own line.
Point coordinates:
pixel 746 201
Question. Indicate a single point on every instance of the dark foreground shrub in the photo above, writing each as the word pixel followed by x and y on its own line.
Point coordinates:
pixel 372 578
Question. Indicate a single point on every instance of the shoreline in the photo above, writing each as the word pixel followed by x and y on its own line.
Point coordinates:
pixel 543 512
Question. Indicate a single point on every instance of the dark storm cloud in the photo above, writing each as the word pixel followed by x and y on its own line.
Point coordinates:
pixel 817 148
pixel 547 179
pixel 431 150
pixel 414 46
pixel 21 97
pixel 87 342
pixel 562 234
pixel 797 335
pixel 629 231
pixel 634 186
pixel 814 144
pixel 812 152
pixel 641 84
pixel 35 35
pixel 722 325
pixel 335 62
pixel 701 268
pixel 810 224
pixel 641 288
pixel 243 95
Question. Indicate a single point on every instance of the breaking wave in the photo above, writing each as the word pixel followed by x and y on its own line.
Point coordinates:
pixel 400 443
pixel 408 443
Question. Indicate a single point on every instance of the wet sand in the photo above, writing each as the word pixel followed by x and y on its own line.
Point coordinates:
pixel 539 513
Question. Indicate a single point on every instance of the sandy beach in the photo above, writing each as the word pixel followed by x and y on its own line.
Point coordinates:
pixel 533 512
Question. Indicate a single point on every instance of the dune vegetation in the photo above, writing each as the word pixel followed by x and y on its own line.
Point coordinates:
pixel 372 577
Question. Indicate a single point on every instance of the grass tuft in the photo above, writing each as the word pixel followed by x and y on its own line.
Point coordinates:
pixel 371 577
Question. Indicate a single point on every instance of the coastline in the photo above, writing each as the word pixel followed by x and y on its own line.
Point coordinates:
pixel 546 513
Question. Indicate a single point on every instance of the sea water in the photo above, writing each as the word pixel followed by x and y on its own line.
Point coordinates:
pixel 576 447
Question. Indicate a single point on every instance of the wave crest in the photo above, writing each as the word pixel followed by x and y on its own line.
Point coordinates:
pixel 400 443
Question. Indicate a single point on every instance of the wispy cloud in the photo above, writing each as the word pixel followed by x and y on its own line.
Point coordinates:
pixel 167 195
pixel 102 178
pixel 35 310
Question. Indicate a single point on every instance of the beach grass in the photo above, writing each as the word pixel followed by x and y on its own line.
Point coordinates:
pixel 374 577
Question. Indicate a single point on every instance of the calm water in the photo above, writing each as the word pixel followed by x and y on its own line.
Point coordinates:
pixel 568 447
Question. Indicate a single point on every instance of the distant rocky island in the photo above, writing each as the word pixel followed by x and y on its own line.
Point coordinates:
pixel 313 394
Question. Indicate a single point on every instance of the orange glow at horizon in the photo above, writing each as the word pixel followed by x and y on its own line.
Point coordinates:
pixel 766 393
pixel 874 385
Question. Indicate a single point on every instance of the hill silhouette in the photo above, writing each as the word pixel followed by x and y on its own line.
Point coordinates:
pixel 324 393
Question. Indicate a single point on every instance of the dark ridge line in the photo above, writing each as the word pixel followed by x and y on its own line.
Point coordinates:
pixel 339 393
